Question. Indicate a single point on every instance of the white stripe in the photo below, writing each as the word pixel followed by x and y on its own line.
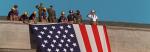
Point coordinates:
pixel 102 38
pixel 91 38
pixel 79 37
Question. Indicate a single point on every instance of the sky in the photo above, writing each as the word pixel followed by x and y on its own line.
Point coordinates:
pixel 132 11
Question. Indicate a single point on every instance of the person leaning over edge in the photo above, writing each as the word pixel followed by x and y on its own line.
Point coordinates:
pixel 92 17
pixel 24 17
pixel 32 18
pixel 71 17
pixel 11 14
pixel 78 17
pixel 62 18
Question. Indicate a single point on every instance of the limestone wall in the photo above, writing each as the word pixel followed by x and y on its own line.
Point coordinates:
pixel 122 39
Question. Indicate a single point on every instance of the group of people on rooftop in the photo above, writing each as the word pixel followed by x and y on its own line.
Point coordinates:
pixel 73 17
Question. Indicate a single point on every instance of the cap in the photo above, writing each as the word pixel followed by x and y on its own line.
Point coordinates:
pixel 92 11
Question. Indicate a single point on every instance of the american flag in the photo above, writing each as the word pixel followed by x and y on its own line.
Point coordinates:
pixel 71 38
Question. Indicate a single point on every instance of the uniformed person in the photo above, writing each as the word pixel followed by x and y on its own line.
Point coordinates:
pixel 51 14
pixel 16 13
pixel 78 17
pixel 62 18
pixel 43 17
pixel 11 14
pixel 71 17
pixel 40 10
pixel 32 18
pixel 93 17
pixel 24 17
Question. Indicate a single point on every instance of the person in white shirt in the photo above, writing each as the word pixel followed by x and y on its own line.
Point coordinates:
pixel 92 17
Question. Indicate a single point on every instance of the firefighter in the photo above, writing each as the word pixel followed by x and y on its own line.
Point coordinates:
pixel 51 14
pixel 71 17
pixel 24 17
pixel 62 18
pixel 11 14
pixel 32 18
pixel 43 17
pixel 40 10
pixel 78 17
pixel 93 17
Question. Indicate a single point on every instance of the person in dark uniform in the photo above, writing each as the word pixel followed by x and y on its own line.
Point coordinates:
pixel 40 10
pixel 78 17
pixel 16 17
pixel 71 17
pixel 51 14
pixel 32 18
pixel 11 14
pixel 43 17
pixel 62 18
pixel 24 17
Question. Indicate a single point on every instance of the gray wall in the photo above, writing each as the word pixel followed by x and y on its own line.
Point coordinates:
pixel 15 35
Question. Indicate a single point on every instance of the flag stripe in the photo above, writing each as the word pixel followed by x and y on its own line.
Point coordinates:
pixel 91 38
pixel 102 38
pixel 79 37
pixel 97 38
pixel 85 37
pixel 107 38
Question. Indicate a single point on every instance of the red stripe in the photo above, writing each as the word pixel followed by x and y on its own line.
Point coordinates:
pixel 107 38
pixel 97 38
pixel 85 38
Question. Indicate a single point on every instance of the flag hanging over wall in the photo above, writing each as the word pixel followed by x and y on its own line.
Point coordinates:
pixel 71 38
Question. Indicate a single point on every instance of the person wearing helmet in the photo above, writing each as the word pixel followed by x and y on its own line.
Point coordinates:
pixel 32 18
pixel 78 17
pixel 11 14
pixel 24 17
pixel 51 14
pixel 71 17
pixel 62 18
pixel 43 17
pixel 92 17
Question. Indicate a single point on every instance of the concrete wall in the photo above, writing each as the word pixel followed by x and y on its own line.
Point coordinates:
pixel 122 39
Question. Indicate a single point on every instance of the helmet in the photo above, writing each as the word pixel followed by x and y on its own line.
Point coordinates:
pixel 70 11
pixel 13 8
pixel 44 8
pixel 34 12
pixel 25 13
pixel 62 12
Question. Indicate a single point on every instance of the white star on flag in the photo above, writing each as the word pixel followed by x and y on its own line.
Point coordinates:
pixel 69 26
pixel 53 27
pixel 51 32
pixel 61 27
pixel 45 28
pixel 42 32
pixel 36 28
